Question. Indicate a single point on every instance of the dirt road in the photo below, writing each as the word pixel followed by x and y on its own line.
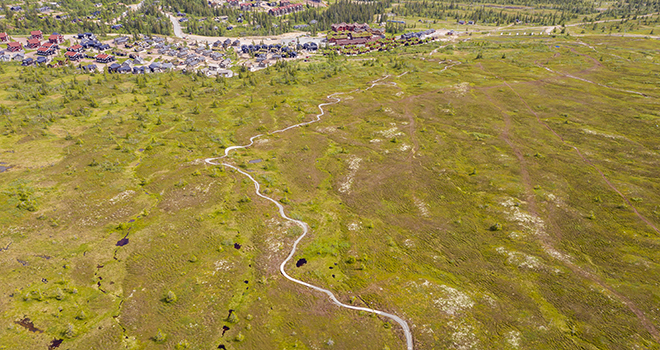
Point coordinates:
pixel 303 225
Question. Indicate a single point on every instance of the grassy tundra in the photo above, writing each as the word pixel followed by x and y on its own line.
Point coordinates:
pixel 503 193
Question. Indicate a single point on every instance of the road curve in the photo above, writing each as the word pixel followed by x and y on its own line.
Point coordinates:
pixel 303 225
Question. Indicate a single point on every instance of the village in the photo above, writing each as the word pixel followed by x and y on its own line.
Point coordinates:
pixel 155 54
pixel 119 54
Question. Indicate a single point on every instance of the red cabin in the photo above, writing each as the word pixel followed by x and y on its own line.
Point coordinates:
pixel 14 46
pixel 103 58
pixel 33 43
pixel 75 48
pixel 46 51
pixel 56 38
pixel 36 34
pixel 73 56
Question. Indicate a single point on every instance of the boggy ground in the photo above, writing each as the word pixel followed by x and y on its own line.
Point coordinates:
pixel 493 204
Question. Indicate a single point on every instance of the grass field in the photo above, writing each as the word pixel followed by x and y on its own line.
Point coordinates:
pixel 467 200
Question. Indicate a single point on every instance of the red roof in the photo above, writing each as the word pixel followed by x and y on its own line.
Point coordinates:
pixel 14 44
pixel 43 48
pixel 54 36
pixel 35 32
pixel 34 41
pixel 3 35
pixel 102 56
pixel 48 44
pixel 356 41
pixel 76 47
pixel 71 54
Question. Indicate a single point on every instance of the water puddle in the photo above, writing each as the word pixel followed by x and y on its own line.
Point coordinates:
pixel 55 343
pixel 5 248
pixel 254 161
pixel 4 168
pixel 27 324
pixel 124 241
pixel 301 262
pixel 23 262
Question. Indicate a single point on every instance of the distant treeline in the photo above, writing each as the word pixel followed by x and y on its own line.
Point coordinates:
pixel 261 23
pixel 83 16
pixel 73 18
pixel 631 8
pixel 509 11
pixel 561 12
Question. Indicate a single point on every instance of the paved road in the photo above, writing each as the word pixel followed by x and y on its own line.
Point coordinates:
pixel 304 226
pixel 177 27
pixel 275 39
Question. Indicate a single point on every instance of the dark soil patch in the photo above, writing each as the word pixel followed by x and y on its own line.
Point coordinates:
pixel 27 324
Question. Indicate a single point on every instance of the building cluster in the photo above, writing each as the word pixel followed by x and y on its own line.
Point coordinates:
pixel 286 9
pixel 36 41
pixel 129 67
pixel 244 6
pixel 193 57
pixel 274 52
pixel 387 44
pixel 265 55
pixel 89 41
pixel 225 44
pixel 418 35
pixel 281 8
pixel 89 47
pixel 343 34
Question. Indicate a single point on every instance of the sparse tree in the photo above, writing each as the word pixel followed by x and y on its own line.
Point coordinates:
pixel 170 297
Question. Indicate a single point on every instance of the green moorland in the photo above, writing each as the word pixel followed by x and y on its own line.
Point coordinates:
pixel 455 198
